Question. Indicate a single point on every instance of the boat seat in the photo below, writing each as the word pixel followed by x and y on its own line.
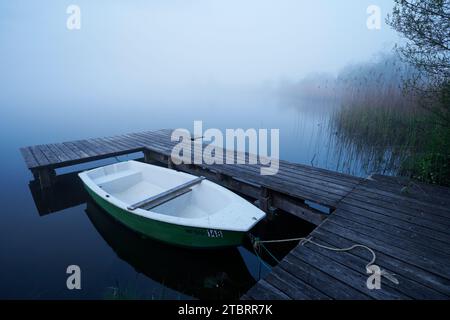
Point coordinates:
pixel 167 195
pixel 115 176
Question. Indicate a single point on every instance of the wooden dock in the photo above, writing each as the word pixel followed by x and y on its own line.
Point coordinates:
pixel 406 224
pixel 408 227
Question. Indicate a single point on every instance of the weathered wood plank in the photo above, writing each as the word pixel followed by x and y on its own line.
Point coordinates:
pixel 394 240
pixel 293 287
pixel 132 143
pixel 116 143
pixel 393 230
pixel 92 148
pixel 430 200
pixel 265 291
pixel 424 220
pixel 86 149
pixel 402 204
pixel 48 153
pixel 79 152
pixel 416 187
pixel 400 221
pixel 349 276
pixel 426 261
pixel 58 153
pixel 40 156
pixel 67 151
pixel 297 208
pixel 414 282
pixel 320 280
pixel 103 147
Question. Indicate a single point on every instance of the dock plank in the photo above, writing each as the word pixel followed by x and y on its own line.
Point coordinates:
pixel 395 206
pixel 423 240
pixel 406 286
pixel 405 252
pixel 86 148
pixel 414 189
pixel 48 153
pixel 67 151
pixel 294 287
pixel 413 281
pixel 423 220
pixel 103 147
pixel 402 204
pixel 322 281
pixel 355 279
pixel 58 153
pixel 81 154
pixel 265 291
pixel 405 223
pixel 29 158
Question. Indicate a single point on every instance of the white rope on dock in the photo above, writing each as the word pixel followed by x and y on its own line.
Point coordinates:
pixel 303 240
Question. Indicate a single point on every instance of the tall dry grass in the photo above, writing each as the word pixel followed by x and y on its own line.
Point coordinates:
pixel 386 126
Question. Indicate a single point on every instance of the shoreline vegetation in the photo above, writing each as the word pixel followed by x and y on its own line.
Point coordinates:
pixel 379 122
pixel 381 118
pixel 393 113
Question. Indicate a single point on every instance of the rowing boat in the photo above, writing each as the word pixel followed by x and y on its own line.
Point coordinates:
pixel 171 206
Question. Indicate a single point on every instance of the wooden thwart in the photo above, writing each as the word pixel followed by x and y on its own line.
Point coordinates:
pixel 167 195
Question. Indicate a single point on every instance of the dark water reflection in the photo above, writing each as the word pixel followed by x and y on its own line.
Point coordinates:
pixel 68 192
pixel 216 274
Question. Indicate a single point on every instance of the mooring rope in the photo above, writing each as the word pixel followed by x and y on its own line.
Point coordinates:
pixel 270 253
pixel 261 262
pixel 303 241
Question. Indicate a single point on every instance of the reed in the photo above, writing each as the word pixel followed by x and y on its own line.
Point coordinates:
pixel 386 127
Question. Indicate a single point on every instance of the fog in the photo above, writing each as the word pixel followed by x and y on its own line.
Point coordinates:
pixel 134 50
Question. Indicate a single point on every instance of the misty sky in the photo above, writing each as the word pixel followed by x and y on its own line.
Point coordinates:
pixel 131 48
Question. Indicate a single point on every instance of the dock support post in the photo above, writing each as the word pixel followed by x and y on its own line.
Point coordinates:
pixel 221 178
pixel 265 202
pixel 46 177
pixel 148 157
pixel 35 174
pixel 170 164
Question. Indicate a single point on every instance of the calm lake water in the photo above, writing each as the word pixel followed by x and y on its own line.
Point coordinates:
pixel 39 239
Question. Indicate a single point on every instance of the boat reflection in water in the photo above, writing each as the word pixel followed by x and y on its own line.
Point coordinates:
pixel 203 274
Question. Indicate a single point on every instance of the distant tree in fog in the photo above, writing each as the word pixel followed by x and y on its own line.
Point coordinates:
pixel 425 24
pixel 378 83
